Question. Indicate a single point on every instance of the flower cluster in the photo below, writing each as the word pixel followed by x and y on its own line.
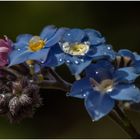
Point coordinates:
pixel 18 99
pixel 108 76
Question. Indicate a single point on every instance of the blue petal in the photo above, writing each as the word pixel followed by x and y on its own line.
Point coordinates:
pixel 39 55
pixel 21 45
pixel 100 70
pixel 55 38
pixel 17 57
pixel 22 41
pixel 80 88
pixel 126 74
pixel 73 35
pixel 56 57
pixel 23 37
pixel 48 32
pixel 77 65
pixel 95 37
pixel 137 66
pixel 98 105
pixel 37 68
pixel 128 53
pixel 102 51
pixel 126 92
pixel 137 56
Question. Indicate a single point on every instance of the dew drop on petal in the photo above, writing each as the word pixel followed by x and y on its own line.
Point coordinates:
pixel 42 61
pixel 108 48
pixel 76 62
pixel 18 49
pixel 60 59
pixel 82 60
pixel 96 72
pixel 68 34
pixel 68 61
pixel 84 95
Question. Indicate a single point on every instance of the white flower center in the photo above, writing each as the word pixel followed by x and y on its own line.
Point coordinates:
pixel 105 86
pixel 76 49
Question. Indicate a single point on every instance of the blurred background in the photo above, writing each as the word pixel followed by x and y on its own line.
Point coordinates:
pixel 61 116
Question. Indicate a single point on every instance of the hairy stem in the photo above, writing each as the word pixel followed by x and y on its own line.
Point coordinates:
pixel 56 82
pixel 51 84
pixel 11 71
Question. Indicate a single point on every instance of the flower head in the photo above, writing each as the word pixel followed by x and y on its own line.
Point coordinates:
pixel 5 49
pixel 19 100
pixel 29 47
pixel 129 62
pixel 77 48
pixel 103 85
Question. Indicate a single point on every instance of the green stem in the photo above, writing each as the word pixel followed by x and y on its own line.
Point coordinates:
pixel 122 120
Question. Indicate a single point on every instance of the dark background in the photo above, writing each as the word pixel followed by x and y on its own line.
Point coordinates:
pixel 61 116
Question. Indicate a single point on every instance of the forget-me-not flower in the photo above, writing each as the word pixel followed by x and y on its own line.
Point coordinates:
pixel 29 47
pixel 77 48
pixel 100 88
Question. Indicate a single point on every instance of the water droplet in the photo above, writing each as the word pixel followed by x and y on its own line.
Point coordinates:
pixel 84 95
pixel 42 61
pixel 109 48
pixel 60 59
pixel 68 61
pixel 96 72
pixel 97 113
pixel 18 49
pixel 82 60
pixel 76 62
pixel 68 34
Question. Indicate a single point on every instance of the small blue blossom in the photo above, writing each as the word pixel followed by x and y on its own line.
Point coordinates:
pixel 29 47
pixel 77 48
pixel 100 88
pixel 129 62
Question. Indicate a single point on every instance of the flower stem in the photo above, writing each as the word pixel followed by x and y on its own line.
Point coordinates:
pixel 122 120
pixel 55 82
pixel 11 71
pixel 51 84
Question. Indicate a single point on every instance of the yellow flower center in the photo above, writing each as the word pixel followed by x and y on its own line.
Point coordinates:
pixel 36 44
pixel 75 49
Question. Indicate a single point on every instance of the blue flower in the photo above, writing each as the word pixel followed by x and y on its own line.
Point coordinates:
pixel 77 48
pixel 29 47
pixel 128 61
pixel 100 88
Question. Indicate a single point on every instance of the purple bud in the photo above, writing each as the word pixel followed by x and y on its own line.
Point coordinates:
pixel 5 49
